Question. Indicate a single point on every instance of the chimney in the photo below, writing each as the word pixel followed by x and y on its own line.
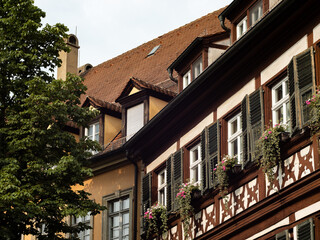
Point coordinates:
pixel 69 59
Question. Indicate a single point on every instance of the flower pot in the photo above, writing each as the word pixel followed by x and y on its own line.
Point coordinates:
pixel 284 136
pixel 236 169
pixel 196 194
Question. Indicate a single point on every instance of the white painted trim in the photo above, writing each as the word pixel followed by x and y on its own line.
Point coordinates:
pixel 307 211
pixel 282 223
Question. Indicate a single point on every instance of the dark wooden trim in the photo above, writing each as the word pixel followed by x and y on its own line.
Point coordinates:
pixel 317 62
pixel 265 6
pixel 146 111
pixel 186 164
pixel 101 130
pixel 257 82
pixel 267 104
pixel 224 137
pixel 204 58
pixel 310 39
pixel 218 46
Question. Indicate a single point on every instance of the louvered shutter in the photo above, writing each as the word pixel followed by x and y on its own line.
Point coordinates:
pixel 146 195
pixel 256 121
pixel 177 175
pixel 244 128
pixel 301 75
pixel 213 151
pixel 305 230
pixel 169 186
pixel 283 235
pixel 292 98
pixel 204 180
pixel 306 81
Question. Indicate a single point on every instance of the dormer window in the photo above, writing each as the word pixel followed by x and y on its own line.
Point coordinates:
pixel 256 13
pixel 186 79
pixel 242 27
pixel 197 68
pixel 135 119
pixel 92 132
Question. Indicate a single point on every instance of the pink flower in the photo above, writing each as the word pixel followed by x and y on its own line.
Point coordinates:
pixel 222 161
pixel 224 168
pixel 307 102
pixel 265 138
pixel 184 196
pixel 150 217
pixel 270 132
pixel 214 169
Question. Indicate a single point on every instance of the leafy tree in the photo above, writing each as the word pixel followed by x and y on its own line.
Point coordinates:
pixel 39 161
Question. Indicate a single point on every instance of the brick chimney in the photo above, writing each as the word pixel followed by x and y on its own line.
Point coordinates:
pixel 69 59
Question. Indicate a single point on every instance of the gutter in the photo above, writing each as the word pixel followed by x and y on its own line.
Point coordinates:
pixel 135 196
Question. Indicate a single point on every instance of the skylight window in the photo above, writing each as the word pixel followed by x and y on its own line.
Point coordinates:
pixel 153 50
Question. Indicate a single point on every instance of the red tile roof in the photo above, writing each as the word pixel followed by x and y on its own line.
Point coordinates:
pixel 97 103
pixel 107 80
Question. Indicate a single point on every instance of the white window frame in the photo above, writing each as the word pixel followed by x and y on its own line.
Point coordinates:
pixel 235 136
pixel 162 187
pixel 195 65
pixel 120 214
pixel 195 165
pixel 257 8
pixel 86 220
pixel 242 25
pixel 95 135
pixel 186 79
pixel 284 102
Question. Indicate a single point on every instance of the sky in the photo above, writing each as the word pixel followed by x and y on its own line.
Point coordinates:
pixel 108 28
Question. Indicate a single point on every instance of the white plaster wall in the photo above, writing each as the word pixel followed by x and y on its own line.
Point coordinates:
pixel 196 130
pixel 213 54
pixel 283 60
pixel 235 99
pixel 316 33
pixel 226 42
pixel 273 3
pixel 164 156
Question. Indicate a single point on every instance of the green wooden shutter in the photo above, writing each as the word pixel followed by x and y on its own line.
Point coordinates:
pixel 204 180
pixel 244 128
pixel 283 235
pixel 292 98
pixel 306 81
pixel 305 230
pixel 146 196
pixel 177 175
pixel 213 151
pixel 169 187
pixel 301 75
pixel 256 121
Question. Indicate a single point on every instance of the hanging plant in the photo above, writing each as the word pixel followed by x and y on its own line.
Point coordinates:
pixel 269 145
pixel 314 105
pixel 156 219
pixel 186 210
pixel 221 172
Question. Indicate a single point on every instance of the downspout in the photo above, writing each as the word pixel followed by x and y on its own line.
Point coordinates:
pixel 222 18
pixel 135 195
pixel 170 71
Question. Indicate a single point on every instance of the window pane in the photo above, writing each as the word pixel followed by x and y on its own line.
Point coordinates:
pixel 125 231
pixel 234 147
pixel 195 155
pixel 115 232
pixel 115 221
pixel 279 115
pixel 288 112
pixel 115 206
pixel 125 219
pixel 278 93
pixel 125 203
pixel 97 128
pixel 90 131
pixel 234 127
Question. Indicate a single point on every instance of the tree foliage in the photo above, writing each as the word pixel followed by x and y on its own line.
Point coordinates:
pixel 39 161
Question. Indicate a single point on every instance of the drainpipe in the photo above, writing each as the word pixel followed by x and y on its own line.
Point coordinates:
pixel 170 71
pixel 222 18
pixel 135 195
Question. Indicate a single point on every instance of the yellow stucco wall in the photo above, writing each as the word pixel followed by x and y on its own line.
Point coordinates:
pixel 112 126
pixel 134 90
pixel 105 184
pixel 155 105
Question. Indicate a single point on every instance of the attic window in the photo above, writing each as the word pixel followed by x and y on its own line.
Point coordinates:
pixel 153 50
pixel 72 40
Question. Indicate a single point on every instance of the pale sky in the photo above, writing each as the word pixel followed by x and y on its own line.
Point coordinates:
pixel 108 28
